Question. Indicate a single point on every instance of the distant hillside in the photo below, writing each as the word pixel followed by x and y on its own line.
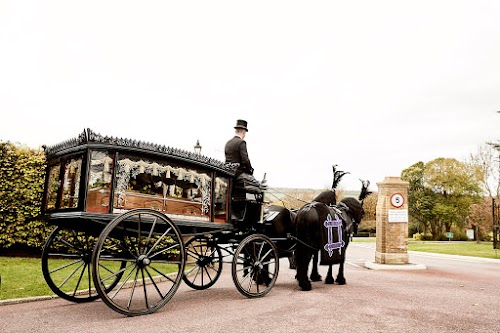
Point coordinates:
pixel 283 192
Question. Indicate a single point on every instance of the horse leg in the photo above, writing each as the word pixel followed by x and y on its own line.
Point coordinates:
pixel 314 273
pixel 303 257
pixel 340 275
pixel 329 276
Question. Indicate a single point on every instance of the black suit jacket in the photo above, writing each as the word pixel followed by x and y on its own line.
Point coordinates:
pixel 236 152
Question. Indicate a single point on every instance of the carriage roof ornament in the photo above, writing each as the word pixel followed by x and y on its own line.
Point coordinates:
pixel 90 137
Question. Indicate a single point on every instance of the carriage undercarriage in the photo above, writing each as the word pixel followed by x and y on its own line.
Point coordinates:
pixel 107 245
pixel 139 259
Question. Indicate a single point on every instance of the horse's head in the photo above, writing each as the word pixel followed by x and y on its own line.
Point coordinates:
pixel 356 210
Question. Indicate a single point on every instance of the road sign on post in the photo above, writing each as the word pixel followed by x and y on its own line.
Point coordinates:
pixel 449 235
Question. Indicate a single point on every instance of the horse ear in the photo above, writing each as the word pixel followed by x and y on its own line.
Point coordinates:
pixel 337 176
pixel 364 189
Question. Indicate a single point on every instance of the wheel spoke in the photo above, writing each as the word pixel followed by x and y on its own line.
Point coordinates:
pixel 165 276
pixel 260 250
pixel 89 279
pixel 79 279
pixel 123 284
pixel 154 284
pixel 120 246
pixel 68 244
pixel 133 289
pixel 265 256
pixel 191 270
pixel 144 288
pixel 65 266
pixel 139 235
pixel 159 240
pixel 75 236
pixel 70 275
pixel 163 251
pixel 250 281
pixel 150 234
pixel 208 274
pixel 117 274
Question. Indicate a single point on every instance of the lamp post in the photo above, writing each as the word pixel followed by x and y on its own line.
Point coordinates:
pixel 197 147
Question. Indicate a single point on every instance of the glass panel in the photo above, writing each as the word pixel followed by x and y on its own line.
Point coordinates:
pixel 220 199
pixel 100 177
pixel 53 185
pixel 71 184
pixel 183 193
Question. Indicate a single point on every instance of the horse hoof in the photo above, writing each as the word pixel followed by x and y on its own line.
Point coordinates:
pixel 306 288
pixel 316 278
pixel 341 281
pixel 329 281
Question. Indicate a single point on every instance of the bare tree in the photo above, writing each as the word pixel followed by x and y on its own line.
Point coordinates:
pixel 487 158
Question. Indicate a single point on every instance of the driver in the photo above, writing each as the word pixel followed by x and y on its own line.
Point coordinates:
pixel 236 149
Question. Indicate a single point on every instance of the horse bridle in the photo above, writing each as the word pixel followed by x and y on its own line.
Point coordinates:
pixel 351 222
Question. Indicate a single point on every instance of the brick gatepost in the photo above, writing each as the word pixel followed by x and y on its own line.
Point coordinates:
pixel 392 222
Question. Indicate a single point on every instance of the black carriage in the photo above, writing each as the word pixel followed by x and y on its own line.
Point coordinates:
pixel 133 220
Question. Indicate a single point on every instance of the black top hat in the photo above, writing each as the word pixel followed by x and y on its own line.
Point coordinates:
pixel 241 124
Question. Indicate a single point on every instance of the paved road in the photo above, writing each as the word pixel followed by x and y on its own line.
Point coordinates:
pixel 454 294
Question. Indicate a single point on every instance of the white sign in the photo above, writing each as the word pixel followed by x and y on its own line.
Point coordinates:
pixel 470 233
pixel 398 215
pixel 397 200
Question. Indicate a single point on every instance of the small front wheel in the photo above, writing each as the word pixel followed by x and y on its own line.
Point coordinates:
pixel 255 266
pixel 203 262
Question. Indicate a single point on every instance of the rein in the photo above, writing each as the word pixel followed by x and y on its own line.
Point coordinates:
pixel 287 195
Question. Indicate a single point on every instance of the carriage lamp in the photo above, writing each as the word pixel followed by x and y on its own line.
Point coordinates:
pixel 197 147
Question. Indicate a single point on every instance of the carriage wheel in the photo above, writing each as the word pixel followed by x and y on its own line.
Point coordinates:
pixel 255 265
pixel 66 259
pixel 151 245
pixel 203 263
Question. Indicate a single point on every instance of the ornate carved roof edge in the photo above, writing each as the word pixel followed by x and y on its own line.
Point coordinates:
pixel 89 136
pixel 74 142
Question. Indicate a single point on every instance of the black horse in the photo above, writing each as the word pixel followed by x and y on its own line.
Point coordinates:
pixel 309 221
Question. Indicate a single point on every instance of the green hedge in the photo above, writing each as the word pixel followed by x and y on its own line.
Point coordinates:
pixel 22 172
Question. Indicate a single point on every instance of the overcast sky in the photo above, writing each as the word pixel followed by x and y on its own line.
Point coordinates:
pixel 373 86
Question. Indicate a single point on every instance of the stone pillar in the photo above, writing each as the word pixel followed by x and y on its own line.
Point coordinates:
pixel 392 222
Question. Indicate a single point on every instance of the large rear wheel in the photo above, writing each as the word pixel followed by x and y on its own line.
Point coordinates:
pixel 151 245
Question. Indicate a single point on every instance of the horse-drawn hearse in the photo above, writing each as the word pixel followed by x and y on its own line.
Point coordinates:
pixel 134 219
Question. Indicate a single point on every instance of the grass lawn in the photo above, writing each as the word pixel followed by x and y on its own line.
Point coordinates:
pixel 22 277
pixel 472 249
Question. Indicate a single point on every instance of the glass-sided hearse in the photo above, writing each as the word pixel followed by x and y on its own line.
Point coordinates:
pixel 134 219
pixel 100 175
